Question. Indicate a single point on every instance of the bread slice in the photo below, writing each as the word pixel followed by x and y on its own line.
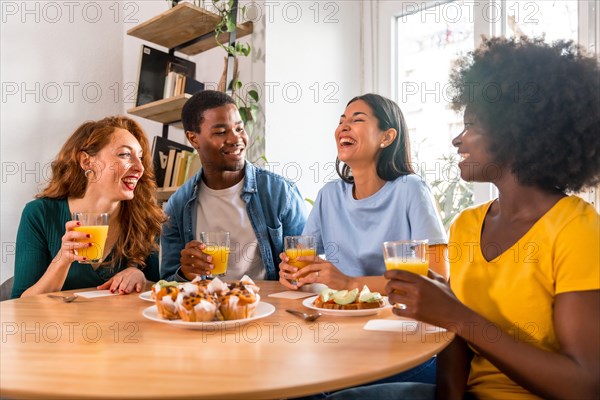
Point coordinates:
pixel 352 306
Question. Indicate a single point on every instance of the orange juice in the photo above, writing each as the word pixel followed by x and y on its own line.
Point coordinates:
pixel 96 251
pixel 220 254
pixel 295 253
pixel 413 265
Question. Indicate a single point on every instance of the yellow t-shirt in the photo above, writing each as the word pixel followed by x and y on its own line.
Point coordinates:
pixel 560 253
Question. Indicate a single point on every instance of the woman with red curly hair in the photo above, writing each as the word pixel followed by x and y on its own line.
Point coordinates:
pixel 105 167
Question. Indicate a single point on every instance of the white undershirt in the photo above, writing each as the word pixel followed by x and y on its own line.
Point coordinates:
pixel 224 210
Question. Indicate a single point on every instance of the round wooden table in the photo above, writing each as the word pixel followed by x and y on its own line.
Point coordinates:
pixel 105 348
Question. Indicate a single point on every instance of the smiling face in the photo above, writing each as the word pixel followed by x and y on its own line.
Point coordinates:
pixel 117 167
pixel 477 163
pixel 358 136
pixel 221 141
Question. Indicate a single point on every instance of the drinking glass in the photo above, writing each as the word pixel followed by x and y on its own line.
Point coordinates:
pixel 407 255
pixel 217 246
pixel 297 246
pixel 95 225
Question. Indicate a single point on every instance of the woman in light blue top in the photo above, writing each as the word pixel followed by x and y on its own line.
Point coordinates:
pixel 379 198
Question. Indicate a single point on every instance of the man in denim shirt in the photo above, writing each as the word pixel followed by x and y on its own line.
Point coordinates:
pixel 256 206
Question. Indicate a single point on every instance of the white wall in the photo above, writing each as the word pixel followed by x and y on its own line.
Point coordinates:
pixel 59 66
pixel 313 68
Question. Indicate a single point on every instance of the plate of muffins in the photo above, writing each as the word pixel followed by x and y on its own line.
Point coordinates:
pixel 207 304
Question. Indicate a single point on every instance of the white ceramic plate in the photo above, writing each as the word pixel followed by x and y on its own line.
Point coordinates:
pixel 345 313
pixel 146 296
pixel 262 310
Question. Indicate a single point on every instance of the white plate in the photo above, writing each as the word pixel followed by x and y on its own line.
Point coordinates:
pixel 345 313
pixel 262 310
pixel 147 296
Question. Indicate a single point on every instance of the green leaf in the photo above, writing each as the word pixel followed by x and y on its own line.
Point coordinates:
pixel 243 114
pixel 230 25
pixel 253 94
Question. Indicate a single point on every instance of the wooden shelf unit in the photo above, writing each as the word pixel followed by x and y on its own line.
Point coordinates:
pixel 165 111
pixel 182 24
pixel 187 29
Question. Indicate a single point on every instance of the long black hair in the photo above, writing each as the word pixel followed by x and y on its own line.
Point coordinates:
pixel 394 160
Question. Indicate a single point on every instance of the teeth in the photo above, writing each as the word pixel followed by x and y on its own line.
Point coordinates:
pixel 463 156
pixel 130 182
pixel 347 140
pixel 235 152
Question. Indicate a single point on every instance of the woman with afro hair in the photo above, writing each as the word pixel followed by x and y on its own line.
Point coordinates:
pixel 523 298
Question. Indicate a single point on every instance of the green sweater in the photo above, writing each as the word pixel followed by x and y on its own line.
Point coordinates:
pixel 38 241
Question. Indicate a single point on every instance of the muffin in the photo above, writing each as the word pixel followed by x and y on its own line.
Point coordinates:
pixel 197 307
pixel 159 285
pixel 217 287
pixel 238 303
pixel 165 302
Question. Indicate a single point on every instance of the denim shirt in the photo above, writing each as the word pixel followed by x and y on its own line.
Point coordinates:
pixel 274 205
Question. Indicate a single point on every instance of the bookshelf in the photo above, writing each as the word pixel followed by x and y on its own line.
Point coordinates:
pixel 187 29
pixel 184 28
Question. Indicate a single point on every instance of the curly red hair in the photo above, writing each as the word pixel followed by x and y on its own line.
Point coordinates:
pixel 140 219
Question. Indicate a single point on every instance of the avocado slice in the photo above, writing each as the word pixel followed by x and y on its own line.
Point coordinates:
pixel 344 297
pixel 366 296
pixel 327 294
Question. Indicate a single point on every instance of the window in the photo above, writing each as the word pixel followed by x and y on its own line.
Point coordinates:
pixel 424 38
pixel 427 43
pixel 557 19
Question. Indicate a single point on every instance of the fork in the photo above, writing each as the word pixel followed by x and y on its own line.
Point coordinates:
pixel 305 316
pixel 66 299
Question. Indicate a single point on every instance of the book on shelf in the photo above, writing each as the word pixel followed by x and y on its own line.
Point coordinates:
pixel 170 167
pixel 176 84
pixel 155 67
pixel 185 166
pixel 192 167
pixel 179 170
pixel 164 152
pixel 192 86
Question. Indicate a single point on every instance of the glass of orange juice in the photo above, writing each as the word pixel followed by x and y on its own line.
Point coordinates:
pixel 217 246
pixel 297 246
pixel 95 225
pixel 407 255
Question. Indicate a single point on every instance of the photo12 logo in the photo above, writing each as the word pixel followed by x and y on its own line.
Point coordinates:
pixel 71 92
pixel 53 332
pixel 271 332
pixel 54 12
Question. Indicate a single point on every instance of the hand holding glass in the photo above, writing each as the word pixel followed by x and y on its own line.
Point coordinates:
pixel 95 225
pixel 217 246
pixel 407 255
